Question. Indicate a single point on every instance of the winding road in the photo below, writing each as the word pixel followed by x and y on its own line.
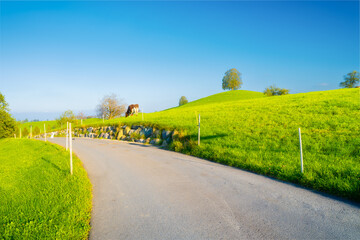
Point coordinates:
pixel 142 192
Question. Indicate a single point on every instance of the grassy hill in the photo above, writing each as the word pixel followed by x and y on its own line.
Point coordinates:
pixel 261 134
pixel 244 129
pixel 39 199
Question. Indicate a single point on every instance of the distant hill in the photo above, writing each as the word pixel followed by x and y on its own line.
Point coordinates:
pixel 228 96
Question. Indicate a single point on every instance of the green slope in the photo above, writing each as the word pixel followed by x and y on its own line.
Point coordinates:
pixel 261 135
pixel 228 96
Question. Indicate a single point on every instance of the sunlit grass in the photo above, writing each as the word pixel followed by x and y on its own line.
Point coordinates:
pixel 39 199
pixel 261 135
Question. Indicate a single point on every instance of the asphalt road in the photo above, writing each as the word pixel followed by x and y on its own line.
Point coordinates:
pixel 142 192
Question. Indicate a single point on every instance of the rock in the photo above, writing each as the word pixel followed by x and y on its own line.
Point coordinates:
pixel 101 135
pixel 127 130
pixel 148 132
pixel 147 140
pixel 165 134
pixel 131 132
pixel 106 135
pixel 108 129
pixel 142 141
pixel 134 127
pixel 119 134
pixel 123 137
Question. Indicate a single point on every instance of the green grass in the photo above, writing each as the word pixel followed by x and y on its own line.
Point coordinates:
pixel 261 135
pixel 39 199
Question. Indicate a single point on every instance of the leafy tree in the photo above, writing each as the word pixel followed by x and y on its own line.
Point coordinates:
pixel 7 122
pixel 25 132
pixel 36 131
pixel 232 79
pixel 110 107
pixel 67 116
pixel 275 91
pixel 351 80
pixel 183 101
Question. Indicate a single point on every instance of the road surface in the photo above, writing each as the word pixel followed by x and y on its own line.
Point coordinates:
pixel 142 192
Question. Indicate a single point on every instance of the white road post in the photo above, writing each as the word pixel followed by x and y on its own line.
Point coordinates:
pixel 14 135
pixel 67 136
pixel 199 132
pixel 45 132
pixel 301 153
pixel 70 140
pixel 81 121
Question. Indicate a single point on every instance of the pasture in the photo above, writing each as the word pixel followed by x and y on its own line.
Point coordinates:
pixel 244 129
pixel 260 134
pixel 39 199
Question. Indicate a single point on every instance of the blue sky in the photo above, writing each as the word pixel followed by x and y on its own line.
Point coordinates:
pixel 67 55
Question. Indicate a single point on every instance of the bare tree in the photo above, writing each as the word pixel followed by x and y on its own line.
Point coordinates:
pixel 111 107
pixel 81 115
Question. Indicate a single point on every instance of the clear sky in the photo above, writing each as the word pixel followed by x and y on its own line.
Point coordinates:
pixel 67 55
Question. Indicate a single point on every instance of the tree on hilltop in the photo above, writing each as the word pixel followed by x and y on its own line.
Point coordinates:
pixel 232 79
pixel 351 80
pixel 111 107
pixel 183 101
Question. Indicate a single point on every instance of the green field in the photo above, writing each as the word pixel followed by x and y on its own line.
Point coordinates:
pixel 260 134
pixel 244 129
pixel 39 199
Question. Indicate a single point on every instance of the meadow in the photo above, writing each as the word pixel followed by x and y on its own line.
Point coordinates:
pixel 246 130
pixel 260 134
pixel 39 199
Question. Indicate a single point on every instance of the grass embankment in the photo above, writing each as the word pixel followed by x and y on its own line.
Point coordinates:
pixel 261 135
pixel 39 199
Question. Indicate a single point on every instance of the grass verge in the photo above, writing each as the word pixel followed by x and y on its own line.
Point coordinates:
pixel 39 199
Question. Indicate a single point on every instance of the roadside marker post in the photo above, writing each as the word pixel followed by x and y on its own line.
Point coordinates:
pixel 301 153
pixel 15 136
pixel 67 135
pixel 45 132
pixel 199 131
pixel 70 141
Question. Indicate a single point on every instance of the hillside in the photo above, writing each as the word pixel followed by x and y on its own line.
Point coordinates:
pixel 229 96
pixel 261 135
pixel 246 130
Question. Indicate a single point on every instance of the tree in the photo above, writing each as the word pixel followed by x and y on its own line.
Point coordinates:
pixel 183 101
pixel 7 122
pixel 36 131
pixel 232 80
pixel 351 80
pixel 25 132
pixel 275 91
pixel 111 107
pixel 67 116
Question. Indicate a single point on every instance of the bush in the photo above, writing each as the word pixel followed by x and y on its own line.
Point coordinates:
pixel 275 91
